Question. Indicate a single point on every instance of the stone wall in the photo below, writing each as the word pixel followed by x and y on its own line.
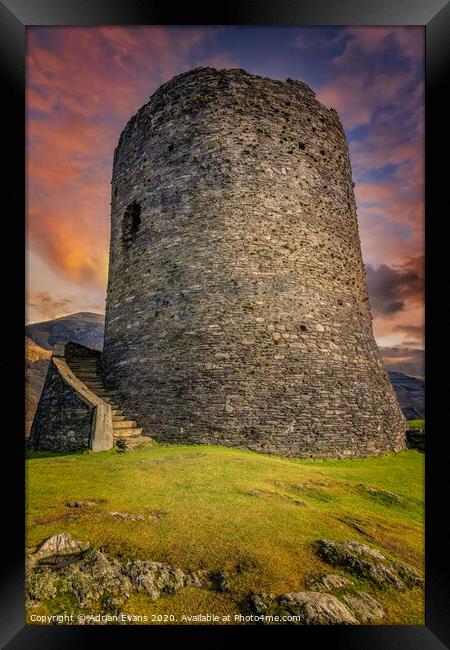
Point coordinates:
pixel 415 439
pixel 69 417
pixel 237 309
pixel 63 422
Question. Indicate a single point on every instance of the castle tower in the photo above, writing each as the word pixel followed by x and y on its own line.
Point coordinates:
pixel 237 309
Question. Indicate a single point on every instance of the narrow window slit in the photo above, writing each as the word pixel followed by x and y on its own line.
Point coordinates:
pixel 130 224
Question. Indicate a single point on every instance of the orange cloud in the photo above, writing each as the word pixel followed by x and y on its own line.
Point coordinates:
pixel 83 84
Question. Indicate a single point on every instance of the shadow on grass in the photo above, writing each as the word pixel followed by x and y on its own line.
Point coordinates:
pixel 32 454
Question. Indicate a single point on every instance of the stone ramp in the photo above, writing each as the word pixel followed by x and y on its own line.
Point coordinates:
pixel 126 433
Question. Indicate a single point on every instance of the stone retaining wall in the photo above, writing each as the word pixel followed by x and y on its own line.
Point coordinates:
pixel 70 417
pixel 416 439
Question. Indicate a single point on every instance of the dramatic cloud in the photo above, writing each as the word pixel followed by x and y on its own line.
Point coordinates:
pixel 84 83
pixel 47 305
pixel 391 288
pixel 410 361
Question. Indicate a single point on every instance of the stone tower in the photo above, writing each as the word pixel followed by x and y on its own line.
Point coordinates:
pixel 237 309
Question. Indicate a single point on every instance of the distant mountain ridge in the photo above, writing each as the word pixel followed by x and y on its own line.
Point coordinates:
pixel 87 328
pixel 410 393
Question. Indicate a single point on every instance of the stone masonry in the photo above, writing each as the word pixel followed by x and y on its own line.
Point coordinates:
pixel 237 309
pixel 69 416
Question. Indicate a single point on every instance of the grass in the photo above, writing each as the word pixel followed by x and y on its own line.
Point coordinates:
pixel 226 509
pixel 416 424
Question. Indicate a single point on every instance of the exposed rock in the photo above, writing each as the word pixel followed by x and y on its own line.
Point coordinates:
pixel 156 515
pixel 315 608
pixel 364 551
pixel 93 576
pixel 365 608
pixel 256 604
pixel 126 516
pixel 409 575
pixel 328 582
pixel 157 579
pixel 80 504
pixel 216 580
pixel 39 583
pixel 367 562
pixel 59 545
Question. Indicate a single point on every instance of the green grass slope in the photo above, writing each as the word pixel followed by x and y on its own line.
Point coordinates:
pixel 225 509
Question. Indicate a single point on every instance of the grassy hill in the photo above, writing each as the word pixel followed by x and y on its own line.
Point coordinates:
pixel 36 364
pixel 215 508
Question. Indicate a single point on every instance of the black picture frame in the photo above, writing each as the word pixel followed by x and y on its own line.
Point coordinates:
pixel 15 16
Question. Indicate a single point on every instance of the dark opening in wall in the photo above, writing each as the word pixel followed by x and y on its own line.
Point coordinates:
pixel 130 224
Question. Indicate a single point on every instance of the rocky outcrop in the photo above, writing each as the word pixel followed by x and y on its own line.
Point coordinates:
pixel 315 608
pixel 333 599
pixel 364 607
pixel 62 565
pixel 367 562
pixel 328 582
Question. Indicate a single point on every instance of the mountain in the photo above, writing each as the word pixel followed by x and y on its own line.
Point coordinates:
pixel 36 364
pixel 83 327
pixel 410 393
pixel 410 361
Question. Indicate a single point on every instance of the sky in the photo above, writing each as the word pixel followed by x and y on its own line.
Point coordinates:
pixel 84 83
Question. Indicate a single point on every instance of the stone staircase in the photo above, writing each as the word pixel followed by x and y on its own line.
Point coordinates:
pixel 126 433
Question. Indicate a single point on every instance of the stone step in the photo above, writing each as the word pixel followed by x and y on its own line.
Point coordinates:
pixel 109 401
pixel 126 444
pixel 126 433
pixel 87 375
pixel 81 368
pixel 124 430
pixel 102 390
pixel 124 424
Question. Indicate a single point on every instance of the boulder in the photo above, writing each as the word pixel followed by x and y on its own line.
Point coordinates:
pixel 93 576
pixel 361 560
pixel 316 608
pixel 363 606
pixel 60 545
pixel 328 582
pixel 156 579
